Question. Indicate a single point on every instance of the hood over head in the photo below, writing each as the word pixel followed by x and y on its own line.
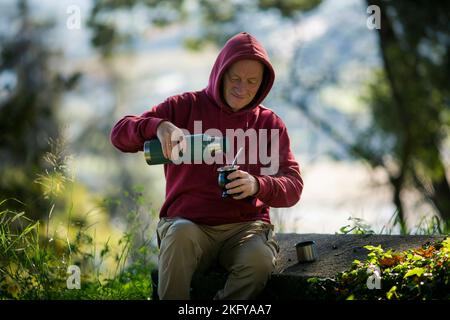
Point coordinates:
pixel 241 46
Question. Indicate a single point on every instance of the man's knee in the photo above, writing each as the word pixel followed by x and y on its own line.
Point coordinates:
pixel 182 233
pixel 258 265
pixel 261 268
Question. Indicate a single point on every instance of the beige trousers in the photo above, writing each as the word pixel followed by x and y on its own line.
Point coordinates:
pixel 246 250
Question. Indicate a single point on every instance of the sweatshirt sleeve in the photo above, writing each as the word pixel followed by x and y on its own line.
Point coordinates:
pixel 284 188
pixel 130 132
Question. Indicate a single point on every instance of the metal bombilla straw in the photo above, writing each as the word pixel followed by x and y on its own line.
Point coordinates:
pixel 236 157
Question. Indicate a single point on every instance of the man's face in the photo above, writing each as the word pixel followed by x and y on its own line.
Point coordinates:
pixel 241 83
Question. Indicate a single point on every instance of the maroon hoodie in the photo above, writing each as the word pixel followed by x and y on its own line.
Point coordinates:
pixel 192 191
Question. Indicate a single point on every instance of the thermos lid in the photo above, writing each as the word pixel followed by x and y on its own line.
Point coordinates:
pixel 305 243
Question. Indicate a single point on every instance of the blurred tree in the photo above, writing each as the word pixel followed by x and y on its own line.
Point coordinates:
pixel 106 33
pixel 219 19
pixel 110 38
pixel 408 99
pixel 29 96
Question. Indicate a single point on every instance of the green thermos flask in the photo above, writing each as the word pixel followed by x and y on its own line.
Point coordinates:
pixel 198 145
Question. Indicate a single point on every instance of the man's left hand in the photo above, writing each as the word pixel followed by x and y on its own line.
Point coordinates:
pixel 245 185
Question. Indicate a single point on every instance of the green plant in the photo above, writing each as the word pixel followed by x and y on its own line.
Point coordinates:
pixel 34 262
pixel 31 270
pixel 426 226
pixel 416 274
pixel 138 239
pixel 433 225
pixel 358 226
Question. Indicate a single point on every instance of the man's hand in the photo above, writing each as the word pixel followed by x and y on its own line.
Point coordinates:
pixel 245 183
pixel 172 140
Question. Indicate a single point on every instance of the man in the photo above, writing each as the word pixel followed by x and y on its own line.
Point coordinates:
pixel 197 228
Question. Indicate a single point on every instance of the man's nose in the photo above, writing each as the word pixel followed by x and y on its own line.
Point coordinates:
pixel 241 87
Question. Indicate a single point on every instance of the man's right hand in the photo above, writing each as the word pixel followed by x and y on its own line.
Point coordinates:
pixel 172 140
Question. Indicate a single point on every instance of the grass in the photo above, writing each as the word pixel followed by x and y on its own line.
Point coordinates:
pixel 36 256
pixel 426 226
pixel 32 267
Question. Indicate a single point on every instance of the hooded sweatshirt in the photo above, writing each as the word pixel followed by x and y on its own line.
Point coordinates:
pixel 192 191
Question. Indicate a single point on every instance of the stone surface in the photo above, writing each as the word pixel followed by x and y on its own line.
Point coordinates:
pixel 335 254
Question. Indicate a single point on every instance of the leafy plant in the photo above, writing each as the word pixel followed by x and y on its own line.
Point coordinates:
pixel 358 226
pixel 416 274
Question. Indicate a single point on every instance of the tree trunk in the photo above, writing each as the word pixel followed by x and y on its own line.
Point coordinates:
pixel 404 78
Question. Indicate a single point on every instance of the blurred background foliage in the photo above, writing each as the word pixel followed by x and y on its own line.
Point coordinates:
pixel 408 99
pixel 402 130
pixel 31 92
